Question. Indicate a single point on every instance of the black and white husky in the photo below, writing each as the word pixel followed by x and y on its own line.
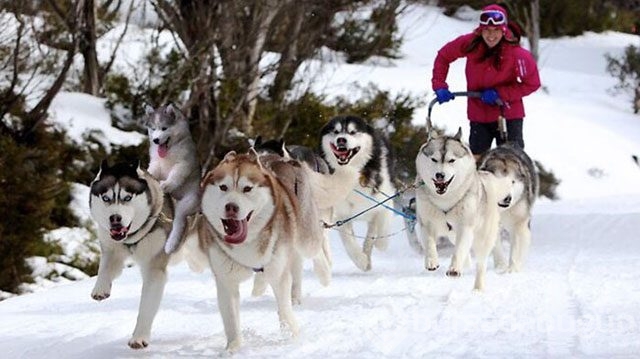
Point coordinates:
pixel 174 162
pixel 132 218
pixel 359 160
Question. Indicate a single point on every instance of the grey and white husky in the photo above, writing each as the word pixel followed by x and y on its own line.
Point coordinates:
pixel 455 200
pixel 130 213
pixel 174 162
pixel 513 163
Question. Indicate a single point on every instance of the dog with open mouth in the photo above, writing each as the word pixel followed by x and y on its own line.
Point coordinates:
pixel 361 164
pixel 173 161
pixel 456 201
pixel 132 220
pixel 260 217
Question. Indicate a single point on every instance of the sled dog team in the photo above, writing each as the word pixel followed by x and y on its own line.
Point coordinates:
pixel 260 214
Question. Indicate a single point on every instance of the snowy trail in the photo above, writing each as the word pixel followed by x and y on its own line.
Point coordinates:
pixel 578 295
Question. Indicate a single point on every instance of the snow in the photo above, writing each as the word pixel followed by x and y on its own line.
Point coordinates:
pixel 577 296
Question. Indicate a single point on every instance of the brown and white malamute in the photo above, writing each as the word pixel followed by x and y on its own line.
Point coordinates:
pixel 260 217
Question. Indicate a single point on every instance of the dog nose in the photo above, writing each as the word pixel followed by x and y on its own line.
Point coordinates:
pixel 507 200
pixel 156 141
pixel 231 209
pixel 341 141
pixel 440 176
pixel 115 218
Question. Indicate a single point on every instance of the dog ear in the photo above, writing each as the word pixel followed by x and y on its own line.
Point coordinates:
pixel 229 156
pixel 148 111
pixel 139 169
pixel 206 179
pixel 431 131
pixel 104 165
pixel 257 142
pixel 458 135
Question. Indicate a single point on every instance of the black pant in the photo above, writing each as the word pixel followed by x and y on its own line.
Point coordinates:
pixel 481 135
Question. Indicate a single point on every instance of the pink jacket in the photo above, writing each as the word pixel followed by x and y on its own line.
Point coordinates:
pixel 518 77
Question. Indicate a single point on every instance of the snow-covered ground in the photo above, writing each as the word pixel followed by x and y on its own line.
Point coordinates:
pixel 577 297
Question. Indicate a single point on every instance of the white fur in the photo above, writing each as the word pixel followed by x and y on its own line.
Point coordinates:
pixel 147 252
pixel 467 205
pixel 339 193
pixel 277 237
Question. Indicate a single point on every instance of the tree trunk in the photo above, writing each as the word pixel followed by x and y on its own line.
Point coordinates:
pixel 534 36
pixel 87 47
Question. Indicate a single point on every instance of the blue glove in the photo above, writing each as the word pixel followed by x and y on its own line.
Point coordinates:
pixel 443 95
pixel 489 96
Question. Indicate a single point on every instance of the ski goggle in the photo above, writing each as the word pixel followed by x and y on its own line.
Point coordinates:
pixel 492 17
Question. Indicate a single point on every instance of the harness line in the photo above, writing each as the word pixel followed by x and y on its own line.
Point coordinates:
pixel 343 221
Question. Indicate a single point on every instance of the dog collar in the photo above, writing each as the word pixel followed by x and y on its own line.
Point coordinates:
pixel 137 235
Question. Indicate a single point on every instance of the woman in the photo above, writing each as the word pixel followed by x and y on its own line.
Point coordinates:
pixel 498 68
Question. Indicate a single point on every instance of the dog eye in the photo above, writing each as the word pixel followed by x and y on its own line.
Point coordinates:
pixel 164 128
pixel 106 198
pixel 352 132
pixel 451 160
pixel 434 160
pixel 127 198
pixel 247 189
pixel 224 188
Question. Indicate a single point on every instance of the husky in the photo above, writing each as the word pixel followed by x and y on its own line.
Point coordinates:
pixel 455 200
pixel 132 218
pixel 360 161
pixel 513 163
pixel 173 161
pixel 260 217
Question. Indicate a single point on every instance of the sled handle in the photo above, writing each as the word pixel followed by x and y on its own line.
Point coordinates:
pixel 502 123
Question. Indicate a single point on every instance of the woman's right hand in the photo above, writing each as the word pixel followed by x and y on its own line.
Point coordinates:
pixel 443 95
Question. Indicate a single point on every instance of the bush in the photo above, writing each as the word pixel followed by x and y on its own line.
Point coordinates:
pixel 626 70
pixel 35 198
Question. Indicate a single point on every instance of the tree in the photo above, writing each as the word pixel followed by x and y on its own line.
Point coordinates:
pixel 90 21
pixel 223 44
pixel 34 158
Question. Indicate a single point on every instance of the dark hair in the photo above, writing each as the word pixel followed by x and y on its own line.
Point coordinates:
pixel 494 54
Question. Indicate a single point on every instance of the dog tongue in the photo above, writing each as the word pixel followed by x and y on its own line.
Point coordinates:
pixel 236 231
pixel 163 149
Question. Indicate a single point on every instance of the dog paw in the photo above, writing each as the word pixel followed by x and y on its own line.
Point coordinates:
pixel 431 265
pixel 363 263
pixel 501 267
pixel 233 345
pixel 513 269
pixel 167 187
pixel 381 244
pixel 295 300
pixel 101 292
pixel 138 343
pixel 453 273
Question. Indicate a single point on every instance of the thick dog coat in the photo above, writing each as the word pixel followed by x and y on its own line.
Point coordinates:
pixel 260 217
pixel 510 162
pixel 173 161
pixel 132 219
pixel 455 200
